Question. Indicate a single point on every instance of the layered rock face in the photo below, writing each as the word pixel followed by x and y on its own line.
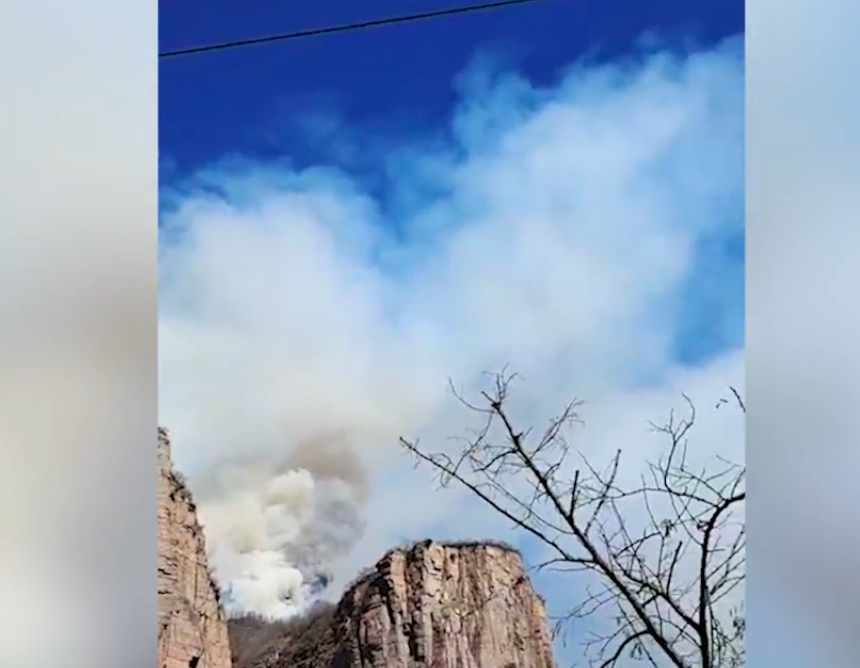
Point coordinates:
pixel 430 606
pixel 192 629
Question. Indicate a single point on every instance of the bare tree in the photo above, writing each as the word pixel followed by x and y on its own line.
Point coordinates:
pixel 666 550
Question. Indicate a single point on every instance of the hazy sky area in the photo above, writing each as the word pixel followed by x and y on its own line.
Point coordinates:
pixel 349 222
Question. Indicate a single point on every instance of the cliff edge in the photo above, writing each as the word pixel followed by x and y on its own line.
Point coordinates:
pixel 192 628
pixel 468 605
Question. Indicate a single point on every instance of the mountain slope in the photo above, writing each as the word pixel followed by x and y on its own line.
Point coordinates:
pixel 192 628
pixel 432 605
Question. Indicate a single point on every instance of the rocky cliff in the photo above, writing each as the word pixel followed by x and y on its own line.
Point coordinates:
pixel 429 606
pixel 192 629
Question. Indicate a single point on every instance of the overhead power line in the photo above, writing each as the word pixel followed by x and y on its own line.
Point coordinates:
pixel 349 27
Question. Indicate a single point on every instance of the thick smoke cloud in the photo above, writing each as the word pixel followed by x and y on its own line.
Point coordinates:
pixel 277 527
pixel 306 323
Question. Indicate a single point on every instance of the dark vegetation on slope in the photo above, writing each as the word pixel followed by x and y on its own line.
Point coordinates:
pixel 254 638
pixel 486 542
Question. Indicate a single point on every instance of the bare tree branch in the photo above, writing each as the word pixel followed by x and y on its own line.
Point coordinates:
pixel 667 551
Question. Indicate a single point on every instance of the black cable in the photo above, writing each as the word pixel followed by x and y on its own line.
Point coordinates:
pixel 344 28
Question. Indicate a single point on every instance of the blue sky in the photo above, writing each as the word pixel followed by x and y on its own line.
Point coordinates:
pixel 245 100
pixel 348 221
pixel 293 99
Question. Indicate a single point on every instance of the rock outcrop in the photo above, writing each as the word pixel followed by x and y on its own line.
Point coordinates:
pixel 192 628
pixel 430 606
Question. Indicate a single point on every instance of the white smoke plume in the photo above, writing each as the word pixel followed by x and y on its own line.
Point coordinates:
pixel 274 528
pixel 306 321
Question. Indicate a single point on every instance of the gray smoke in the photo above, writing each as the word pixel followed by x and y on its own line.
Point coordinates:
pixel 299 336
pixel 276 529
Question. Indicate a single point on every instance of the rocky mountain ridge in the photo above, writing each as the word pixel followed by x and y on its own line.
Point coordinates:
pixel 428 605
pixel 464 605
pixel 192 627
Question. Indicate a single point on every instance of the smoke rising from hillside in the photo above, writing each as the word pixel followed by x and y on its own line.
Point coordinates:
pixel 277 526
pixel 304 325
